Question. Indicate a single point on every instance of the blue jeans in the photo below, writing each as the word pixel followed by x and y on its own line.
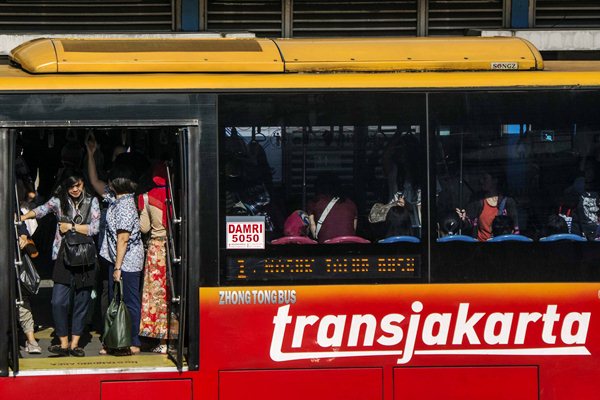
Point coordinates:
pixel 131 297
pixel 61 301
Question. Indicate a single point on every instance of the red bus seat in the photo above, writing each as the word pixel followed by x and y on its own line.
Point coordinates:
pixel 293 240
pixel 346 239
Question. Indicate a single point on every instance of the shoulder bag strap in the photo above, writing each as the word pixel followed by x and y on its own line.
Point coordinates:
pixel 502 206
pixel 89 210
pixel 325 213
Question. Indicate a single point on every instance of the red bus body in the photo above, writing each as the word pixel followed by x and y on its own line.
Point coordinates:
pixel 492 341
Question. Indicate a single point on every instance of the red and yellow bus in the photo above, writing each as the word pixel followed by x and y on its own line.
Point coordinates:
pixel 413 309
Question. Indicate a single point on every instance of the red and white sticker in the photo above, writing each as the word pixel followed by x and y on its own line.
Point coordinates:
pixel 245 232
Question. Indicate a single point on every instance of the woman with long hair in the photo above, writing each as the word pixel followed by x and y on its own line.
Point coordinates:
pixel 77 212
pixel 153 220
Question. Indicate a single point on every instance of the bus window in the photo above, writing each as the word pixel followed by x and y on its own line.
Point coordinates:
pixel 322 186
pixel 520 174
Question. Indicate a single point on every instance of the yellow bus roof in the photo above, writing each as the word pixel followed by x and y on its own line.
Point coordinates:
pixel 275 56
pixel 298 64
pixel 14 79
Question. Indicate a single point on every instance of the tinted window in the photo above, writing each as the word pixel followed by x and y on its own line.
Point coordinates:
pixel 522 167
pixel 328 177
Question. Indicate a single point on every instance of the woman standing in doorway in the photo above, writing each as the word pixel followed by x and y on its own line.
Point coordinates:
pixel 77 212
pixel 153 219
pixel 122 246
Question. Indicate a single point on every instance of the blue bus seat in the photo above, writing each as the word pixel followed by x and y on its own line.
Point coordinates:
pixel 401 239
pixel 563 236
pixel 456 238
pixel 510 238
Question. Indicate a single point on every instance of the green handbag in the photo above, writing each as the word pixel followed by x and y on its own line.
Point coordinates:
pixel 117 323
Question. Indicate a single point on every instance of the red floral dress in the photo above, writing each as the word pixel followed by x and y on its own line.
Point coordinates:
pixel 154 321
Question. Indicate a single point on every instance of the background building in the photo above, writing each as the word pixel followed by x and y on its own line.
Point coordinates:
pixel 553 25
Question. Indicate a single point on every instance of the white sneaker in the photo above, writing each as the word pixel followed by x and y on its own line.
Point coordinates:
pixel 161 349
pixel 33 348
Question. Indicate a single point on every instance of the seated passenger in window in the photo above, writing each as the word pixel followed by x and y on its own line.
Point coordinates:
pixel 246 194
pixel 556 225
pixel 384 224
pixel 490 203
pixel 330 213
pixel 400 161
pixel 296 224
pixel 567 208
pixel 449 225
pixel 502 225
pixel 398 222
pixel 588 205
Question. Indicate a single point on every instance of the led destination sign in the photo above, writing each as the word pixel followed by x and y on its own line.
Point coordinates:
pixel 313 267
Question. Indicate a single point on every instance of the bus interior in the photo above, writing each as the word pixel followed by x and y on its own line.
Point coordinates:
pixel 41 156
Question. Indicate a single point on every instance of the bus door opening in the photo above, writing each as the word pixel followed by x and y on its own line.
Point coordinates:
pixel 83 167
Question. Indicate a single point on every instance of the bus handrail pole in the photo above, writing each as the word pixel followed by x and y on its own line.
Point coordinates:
pixel 18 259
pixel 171 205
pixel 170 246
pixel 304 141
pixel 460 180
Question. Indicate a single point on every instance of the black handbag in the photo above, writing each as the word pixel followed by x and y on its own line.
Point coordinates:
pixel 28 275
pixel 117 323
pixel 79 250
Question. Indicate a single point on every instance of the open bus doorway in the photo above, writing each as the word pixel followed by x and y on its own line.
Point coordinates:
pixel 42 155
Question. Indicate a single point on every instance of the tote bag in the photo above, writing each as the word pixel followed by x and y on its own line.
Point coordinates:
pixel 117 323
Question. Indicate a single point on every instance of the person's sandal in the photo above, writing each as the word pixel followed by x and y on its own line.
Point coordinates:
pixel 134 350
pixel 77 352
pixel 59 351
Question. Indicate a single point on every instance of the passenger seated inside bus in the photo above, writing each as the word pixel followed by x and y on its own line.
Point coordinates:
pixel 295 230
pixel 567 210
pixel 488 203
pixel 392 219
pixel 330 212
pixel 398 222
pixel 449 225
pixel 502 225
pixel 556 225
pixel 400 166
pixel 588 207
